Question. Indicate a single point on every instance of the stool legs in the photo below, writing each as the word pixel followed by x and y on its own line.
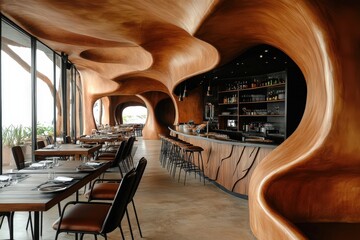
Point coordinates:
pixel 190 164
pixel 176 153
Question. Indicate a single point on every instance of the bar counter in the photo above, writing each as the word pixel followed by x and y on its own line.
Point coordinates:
pixel 227 162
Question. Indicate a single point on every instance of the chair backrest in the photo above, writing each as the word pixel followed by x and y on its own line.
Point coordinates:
pixel 67 139
pixel 40 144
pixel 129 146
pixel 119 154
pixel 18 157
pixel 50 140
pixel 140 169
pixel 120 202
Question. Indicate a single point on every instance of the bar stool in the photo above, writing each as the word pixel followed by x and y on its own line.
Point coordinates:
pixel 190 164
pixel 180 155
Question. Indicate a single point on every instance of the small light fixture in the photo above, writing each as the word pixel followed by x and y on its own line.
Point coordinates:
pixel 185 94
pixel 209 91
pixel 180 96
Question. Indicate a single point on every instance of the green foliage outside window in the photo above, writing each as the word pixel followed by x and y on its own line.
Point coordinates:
pixel 17 135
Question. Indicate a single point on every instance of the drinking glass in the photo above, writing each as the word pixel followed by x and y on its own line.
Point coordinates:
pixel 56 162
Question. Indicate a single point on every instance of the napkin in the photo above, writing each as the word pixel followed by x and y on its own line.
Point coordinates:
pixel 63 179
pixel 37 165
pixel 93 163
pixel 4 178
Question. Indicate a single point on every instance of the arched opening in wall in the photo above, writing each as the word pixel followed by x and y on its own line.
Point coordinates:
pixel 165 112
pixel 98 110
pixel 259 96
pixel 134 115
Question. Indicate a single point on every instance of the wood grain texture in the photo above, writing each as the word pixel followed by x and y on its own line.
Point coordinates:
pixel 136 47
pixel 229 165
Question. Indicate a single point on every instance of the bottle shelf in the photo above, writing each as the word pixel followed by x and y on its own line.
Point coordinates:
pixel 263 87
pixel 228 103
pixel 259 95
pixel 270 115
pixel 229 91
pixel 228 115
pixel 270 101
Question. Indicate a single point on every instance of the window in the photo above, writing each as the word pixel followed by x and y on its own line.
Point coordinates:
pixel 134 115
pixel 16 95
pixel 45 90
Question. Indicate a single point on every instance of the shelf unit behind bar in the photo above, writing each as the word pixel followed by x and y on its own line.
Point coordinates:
pixel 254 103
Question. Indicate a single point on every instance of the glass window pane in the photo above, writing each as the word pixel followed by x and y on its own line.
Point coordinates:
pixel 78 101
pixel 58 102
pixel 16 93
pixel 45 91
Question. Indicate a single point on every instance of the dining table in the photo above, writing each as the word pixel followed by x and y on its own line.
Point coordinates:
pixel 101 139
pixel 30 189
pixel 68 149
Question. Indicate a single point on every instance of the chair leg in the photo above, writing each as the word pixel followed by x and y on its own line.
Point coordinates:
pixel 136 216
pixel 59 209
pixel 121 231
pixel 41 223
pixel 31 226
pixel 11 225
pixel 2 220
pixel 128 218
pixel 28 221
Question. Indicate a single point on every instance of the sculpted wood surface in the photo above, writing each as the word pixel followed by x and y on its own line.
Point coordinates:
pixel 228 164
pixel 132 47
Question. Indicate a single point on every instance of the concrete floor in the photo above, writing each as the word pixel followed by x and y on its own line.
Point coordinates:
pixel 166 209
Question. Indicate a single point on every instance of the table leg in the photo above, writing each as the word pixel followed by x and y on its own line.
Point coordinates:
pixel 36 226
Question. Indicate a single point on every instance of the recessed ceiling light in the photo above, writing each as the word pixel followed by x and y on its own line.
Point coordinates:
pixel 266 62
pixel 266 50
pixel 274 57
pixel 261 56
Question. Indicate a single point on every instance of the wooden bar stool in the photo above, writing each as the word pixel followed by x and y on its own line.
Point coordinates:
pixel 190 164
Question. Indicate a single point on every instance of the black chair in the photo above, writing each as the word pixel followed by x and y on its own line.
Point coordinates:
pixel 67 139
pixel 20 164
pixel 116 158
pixel 96 218
pixel 127 157
pixel 18 157
pixel 39 145
pixel 107 190
pixel 49 140
pixel 10 218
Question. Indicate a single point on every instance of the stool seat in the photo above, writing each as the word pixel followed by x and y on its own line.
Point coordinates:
pixel 194 149
pixel 189 164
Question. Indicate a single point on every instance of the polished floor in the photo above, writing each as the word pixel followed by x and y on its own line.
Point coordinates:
pixel 167 209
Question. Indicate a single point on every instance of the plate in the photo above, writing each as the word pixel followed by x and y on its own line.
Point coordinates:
pixel 37 165
pixel 52 188
pixel 63 179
